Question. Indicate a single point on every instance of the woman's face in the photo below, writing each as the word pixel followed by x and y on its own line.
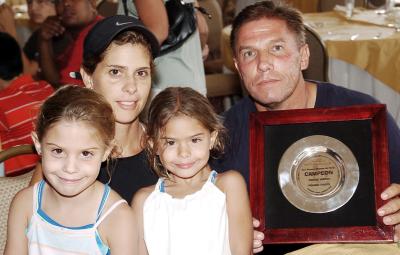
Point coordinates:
pixel 124 79
pixel 39 10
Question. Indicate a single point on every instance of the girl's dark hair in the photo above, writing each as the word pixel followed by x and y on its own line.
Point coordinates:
pixel 270 10
pixel 175 101
pixel 125 37
pixel 73 103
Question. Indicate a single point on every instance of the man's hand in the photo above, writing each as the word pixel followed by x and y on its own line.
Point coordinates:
pixel 257 238
pixel 50 28
pixel 391 210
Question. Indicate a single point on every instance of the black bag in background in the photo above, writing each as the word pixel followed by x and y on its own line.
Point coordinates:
pixel 182 24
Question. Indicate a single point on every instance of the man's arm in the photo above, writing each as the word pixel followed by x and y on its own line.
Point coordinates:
pixel 50 28
pixel 7 23
pixel 154 16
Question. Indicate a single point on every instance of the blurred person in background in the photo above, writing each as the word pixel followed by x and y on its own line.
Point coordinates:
pixel 38 11
pixel 20 98
pixel 61 39
pixel 182 66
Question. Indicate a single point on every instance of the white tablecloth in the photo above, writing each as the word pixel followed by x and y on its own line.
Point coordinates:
pixel 352 77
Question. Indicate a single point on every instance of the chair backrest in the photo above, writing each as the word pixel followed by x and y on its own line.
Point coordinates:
pixel 328 5
pixel 20 162
pixel 16 151
pixel 376 3
pixel 223 90
pixel 9 186
pixel 107 8
pixel 318 62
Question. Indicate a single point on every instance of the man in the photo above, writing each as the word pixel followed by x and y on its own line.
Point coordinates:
pixel 61 40
pixel 270 52
pixel 20 98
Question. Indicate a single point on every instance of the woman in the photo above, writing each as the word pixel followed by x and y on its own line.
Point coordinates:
pixel 108 69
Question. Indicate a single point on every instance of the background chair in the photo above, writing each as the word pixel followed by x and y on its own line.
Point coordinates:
pixel 9 186
pixel 16 151
pixel 376 3
pixel 223 90
pixel 213 63
pixel 318 62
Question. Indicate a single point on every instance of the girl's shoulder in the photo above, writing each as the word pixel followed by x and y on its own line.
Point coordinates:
pixel 113 199
pixel 141 195
pixel 229 180
pixel 116 212
pixel 118 225
pixel 23 201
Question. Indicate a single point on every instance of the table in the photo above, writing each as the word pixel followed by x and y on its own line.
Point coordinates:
pixel 362 56
pixel 363 52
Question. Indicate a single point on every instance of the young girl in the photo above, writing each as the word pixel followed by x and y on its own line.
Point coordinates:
pixel 69 212
pixel 191 209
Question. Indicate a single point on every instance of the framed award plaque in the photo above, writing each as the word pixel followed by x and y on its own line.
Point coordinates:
pixel 316 175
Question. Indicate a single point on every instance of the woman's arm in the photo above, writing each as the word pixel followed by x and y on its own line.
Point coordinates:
pixel 239 212
pixel 18 218
pixel 154 16
pixel 37 174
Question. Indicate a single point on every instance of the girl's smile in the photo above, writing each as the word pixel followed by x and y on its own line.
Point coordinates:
pixel 71 162
pixel 185 147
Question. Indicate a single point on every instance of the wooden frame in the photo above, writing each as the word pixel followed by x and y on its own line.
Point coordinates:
pixel 371 116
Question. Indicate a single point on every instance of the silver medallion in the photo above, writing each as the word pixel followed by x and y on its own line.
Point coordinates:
pixel 318 174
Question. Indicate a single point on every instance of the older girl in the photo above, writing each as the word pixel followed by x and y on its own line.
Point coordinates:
pixel 69 211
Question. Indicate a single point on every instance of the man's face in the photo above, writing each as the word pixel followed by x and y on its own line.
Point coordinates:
pixel 75 13
pixel 269 60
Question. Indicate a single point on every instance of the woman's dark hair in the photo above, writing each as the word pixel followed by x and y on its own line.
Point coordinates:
pixel 125 37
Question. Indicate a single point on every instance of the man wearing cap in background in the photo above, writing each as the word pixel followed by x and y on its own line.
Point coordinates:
pixel 61 40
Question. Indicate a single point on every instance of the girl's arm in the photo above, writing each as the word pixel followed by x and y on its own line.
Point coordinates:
pixel 18 218
pixel 121 231
pixel 239 212
pixel 137 206
pixel 154 16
